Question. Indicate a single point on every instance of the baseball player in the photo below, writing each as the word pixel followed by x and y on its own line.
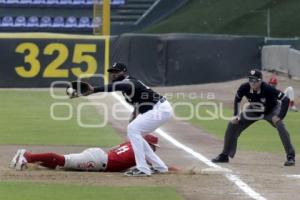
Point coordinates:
pixel 289 92
pixel 117 159
pixel 264 104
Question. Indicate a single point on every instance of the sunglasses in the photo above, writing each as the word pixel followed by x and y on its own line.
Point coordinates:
pixel 253 80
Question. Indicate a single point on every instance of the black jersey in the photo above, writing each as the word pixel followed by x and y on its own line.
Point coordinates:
pixel 263 100
pixel 135 92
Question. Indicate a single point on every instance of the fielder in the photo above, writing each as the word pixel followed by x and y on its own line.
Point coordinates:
pixel 117 159
pixel 151 110
pixel 289 92
pixel 264 104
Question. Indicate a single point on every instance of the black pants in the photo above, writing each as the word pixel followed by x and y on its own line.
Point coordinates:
pixel 247 118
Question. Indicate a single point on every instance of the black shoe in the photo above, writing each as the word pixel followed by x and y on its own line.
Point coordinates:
pixel 222 158
pixel 290 162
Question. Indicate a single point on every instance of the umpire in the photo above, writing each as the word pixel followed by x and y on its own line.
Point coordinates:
pixel 263 104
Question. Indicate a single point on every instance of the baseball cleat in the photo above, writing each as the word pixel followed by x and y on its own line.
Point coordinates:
pixel 13 162
pixel 290 162
pixel 19 161
pixel 135 172
pixel 222 158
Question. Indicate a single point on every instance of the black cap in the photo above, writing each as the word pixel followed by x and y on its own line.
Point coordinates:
pixel 255 74
pixel 118 67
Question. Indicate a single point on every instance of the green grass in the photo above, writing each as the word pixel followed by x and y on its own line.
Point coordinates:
pixel 41 191
pixel 241 17
pixel 25 119
pixel 260 136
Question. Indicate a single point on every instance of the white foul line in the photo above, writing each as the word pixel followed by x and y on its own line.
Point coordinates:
pixel 231 177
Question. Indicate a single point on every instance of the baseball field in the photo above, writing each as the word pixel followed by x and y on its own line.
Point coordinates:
pixel 34 120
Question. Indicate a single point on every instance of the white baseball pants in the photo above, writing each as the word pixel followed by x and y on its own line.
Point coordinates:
pixel 289 92
pixel 92 159
pixel 143 124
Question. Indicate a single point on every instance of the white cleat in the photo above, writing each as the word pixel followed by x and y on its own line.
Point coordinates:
pixel 294 109
pixel 19 161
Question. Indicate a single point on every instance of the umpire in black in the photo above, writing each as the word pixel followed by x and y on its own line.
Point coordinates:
pixel 263 104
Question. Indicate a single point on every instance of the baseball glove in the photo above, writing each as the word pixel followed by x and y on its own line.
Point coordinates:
pixel 79 88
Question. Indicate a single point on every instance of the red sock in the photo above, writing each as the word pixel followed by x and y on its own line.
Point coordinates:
pixel 49 160
pixel 292 103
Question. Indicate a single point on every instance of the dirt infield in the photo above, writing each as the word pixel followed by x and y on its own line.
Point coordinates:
pixel 263 172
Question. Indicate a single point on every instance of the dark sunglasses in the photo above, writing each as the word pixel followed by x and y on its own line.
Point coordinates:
pixel 253 80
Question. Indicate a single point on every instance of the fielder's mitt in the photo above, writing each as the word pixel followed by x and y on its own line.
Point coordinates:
pixel 79 88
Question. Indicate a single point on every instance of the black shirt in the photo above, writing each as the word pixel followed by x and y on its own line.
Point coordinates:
pixel 265 99
pixel 135 92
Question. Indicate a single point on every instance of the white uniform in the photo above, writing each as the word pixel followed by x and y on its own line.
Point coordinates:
pixel 289 92
pixel 146 123
pixel 92 159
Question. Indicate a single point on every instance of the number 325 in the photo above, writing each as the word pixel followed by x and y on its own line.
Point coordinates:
pixel 52 70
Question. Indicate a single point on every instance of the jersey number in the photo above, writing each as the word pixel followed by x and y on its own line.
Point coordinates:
pixel 122 149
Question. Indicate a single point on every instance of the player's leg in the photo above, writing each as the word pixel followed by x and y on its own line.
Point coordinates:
pixel 156 162
pixel 92 159
pixel 284 137
pixel 232 133
pixel 147 123
pixel 48 160
pixel 289 92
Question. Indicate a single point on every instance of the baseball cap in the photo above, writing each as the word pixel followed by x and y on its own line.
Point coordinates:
pixel 151 139
pixel 255 74
pixel 118 67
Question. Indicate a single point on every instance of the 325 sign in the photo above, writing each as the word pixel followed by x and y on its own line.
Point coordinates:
pixel 83 60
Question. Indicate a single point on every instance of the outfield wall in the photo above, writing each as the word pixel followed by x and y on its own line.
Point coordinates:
pixel 37 60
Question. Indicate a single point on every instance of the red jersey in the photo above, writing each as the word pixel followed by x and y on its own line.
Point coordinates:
pixel 120 158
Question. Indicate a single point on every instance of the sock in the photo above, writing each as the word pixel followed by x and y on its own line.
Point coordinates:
pixel 49 160
pixel 292 103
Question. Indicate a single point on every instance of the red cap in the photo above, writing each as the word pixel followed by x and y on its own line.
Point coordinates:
pixel 151 139
pixel 273 80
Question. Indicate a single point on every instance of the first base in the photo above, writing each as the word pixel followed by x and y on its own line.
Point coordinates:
pixel 213 170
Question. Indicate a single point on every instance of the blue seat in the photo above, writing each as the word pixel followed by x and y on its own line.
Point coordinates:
pixel 89 2
pixel 25 1
pixel 65 2
pixel 84 22
pixel 97 21
pixel 58 21
pixel 12 2
pixel 46 21
pixel 20 21
pixel 33 21
pixel 79 2
pixel 2 1
pixel 38 2
pixel 52 2
pixel 7 21
pixel 71 22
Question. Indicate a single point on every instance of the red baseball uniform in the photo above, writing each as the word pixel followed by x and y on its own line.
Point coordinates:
pixel 120 158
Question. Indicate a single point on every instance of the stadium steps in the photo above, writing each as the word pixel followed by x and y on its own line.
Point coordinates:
pixel 132 10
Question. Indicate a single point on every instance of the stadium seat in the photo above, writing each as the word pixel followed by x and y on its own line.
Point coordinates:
pixel 2 1
pixel 20 21
pixel 58 21
pixel 8 21
pixel 84 22
pixel 12 2
pixel 71 22
pixel 38 2
pixel 78 2
pixel 97 22
pixel 46 21
pixel 25 1
pixel 33 21
pixel 65 2
pixel 52 2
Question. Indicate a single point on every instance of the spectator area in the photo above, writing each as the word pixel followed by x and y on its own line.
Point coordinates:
pixel 65 15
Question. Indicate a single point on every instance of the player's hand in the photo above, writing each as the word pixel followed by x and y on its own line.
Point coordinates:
pixel 275 120
pixel 235 120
